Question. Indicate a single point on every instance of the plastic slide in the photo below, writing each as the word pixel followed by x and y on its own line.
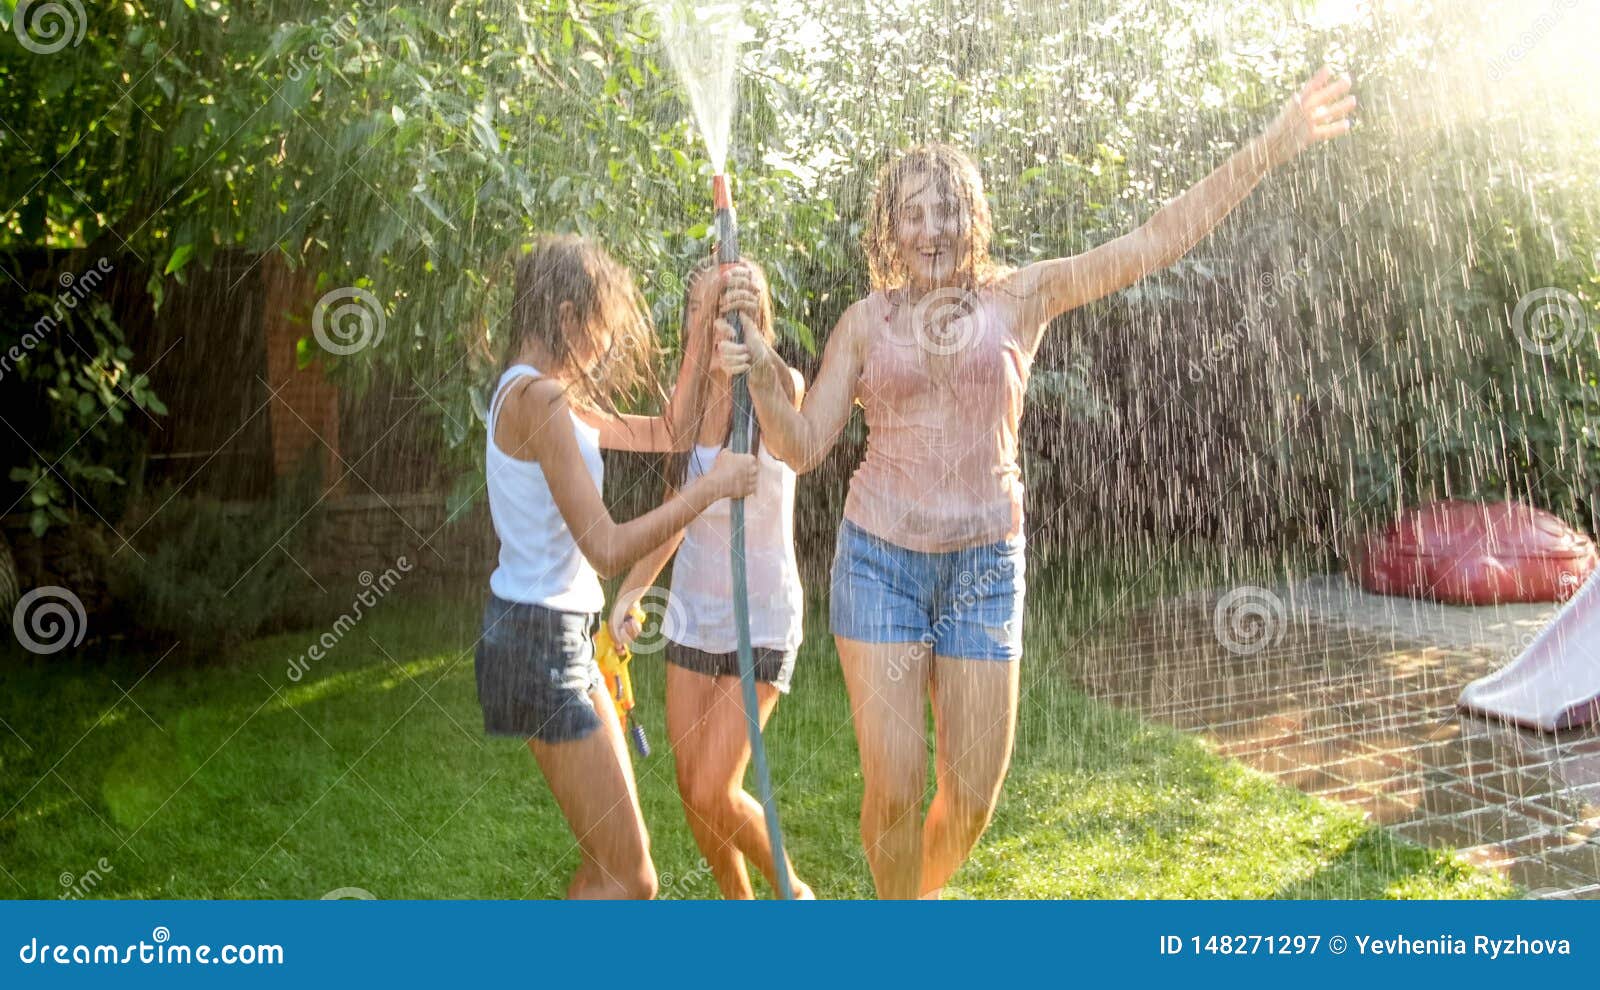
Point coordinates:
pixel 1555 683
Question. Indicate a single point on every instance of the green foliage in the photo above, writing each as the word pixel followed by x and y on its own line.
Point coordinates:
pixel 408 148
pixel 64 360
pixel 206 577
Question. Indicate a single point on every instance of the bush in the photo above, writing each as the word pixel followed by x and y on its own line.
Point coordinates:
pixel 209 576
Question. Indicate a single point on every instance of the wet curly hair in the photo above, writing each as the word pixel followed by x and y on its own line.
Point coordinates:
pixel 958 180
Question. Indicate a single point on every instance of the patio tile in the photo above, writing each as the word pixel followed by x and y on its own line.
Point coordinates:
pixel 1367 718
pixel 1582 859
pixel 1539 876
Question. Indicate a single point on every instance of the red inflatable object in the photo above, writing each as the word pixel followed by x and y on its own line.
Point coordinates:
pixel 1471 553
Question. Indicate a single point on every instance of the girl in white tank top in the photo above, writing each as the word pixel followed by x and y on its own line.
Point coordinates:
pixel 578 337
pixel 705 712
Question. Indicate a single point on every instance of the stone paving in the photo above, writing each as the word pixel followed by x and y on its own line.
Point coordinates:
pixel 1352 697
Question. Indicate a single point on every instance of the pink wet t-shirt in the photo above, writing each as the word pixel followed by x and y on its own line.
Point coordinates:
pixel 942 410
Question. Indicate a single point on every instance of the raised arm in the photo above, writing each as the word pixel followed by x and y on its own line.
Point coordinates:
pixel 533 425
pixel 801 437
pixel 1046 289
pixel 670 431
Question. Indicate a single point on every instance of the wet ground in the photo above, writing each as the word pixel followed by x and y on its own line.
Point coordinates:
pixel 1352 697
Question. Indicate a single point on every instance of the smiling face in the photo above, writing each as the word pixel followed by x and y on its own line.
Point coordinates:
pixel 930 226
pixel 931 233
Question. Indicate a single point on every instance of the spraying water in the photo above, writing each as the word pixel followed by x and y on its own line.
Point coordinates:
pixel 702 42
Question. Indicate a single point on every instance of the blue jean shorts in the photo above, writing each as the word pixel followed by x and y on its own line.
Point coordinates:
pixel 535 668
pixel 965 604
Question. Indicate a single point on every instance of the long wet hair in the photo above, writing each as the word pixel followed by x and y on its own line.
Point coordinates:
pixel 703 350
pixel 957 179
pixel 565 268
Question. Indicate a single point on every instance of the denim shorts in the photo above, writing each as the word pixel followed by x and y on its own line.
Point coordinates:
pixel 775 667
pixel 965 604
pixel 535 670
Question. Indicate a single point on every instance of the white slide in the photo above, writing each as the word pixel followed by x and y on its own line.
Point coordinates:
pixel 1555 683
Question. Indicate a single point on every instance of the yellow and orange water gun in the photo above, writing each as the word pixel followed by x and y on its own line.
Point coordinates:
pixel 613 661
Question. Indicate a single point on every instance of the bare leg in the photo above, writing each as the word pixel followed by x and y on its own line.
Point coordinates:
pixel 975 718
pixel 711 744
pixel 888 685
pixel 592 780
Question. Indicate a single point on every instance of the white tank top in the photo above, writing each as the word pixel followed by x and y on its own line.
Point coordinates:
pixel 540 563
pixel 700 607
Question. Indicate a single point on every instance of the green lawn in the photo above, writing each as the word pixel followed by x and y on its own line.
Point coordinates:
pixel 231 780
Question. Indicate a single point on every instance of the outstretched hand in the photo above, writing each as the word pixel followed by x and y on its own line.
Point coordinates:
pixel 1321 111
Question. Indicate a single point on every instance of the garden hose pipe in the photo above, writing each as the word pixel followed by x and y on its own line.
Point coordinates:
pixel 742 441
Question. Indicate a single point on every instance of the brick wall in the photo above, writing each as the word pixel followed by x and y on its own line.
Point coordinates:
pixel 305 407
pixel 371 533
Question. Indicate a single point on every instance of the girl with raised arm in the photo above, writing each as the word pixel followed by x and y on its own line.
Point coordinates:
pixel 578 338
pixel 927 588
pixel 705 709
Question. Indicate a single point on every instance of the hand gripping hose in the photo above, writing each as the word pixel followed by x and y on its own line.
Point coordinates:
pixel 744 439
